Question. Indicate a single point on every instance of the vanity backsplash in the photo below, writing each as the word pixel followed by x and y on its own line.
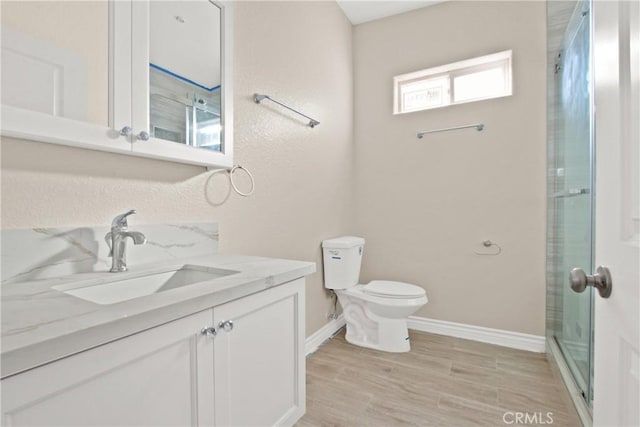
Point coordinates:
pixel 44 253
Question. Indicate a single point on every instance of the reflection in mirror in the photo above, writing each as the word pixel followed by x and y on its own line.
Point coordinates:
pixel 55 58
pixel 185 73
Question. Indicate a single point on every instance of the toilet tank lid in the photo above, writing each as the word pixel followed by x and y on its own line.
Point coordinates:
pixel 343 242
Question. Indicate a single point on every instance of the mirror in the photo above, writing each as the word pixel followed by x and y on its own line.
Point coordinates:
pixel 185 73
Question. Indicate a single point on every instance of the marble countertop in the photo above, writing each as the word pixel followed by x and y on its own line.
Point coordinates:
pixel 41 324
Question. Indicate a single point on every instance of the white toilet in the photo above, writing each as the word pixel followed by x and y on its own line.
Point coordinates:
pixel 376 313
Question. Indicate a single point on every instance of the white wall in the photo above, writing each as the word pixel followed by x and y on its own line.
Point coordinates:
pixel 425 205
pixel 299 53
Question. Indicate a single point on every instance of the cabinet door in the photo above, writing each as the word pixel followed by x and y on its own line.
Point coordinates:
pixel 56 82
pixel 260 365
pixel 162 376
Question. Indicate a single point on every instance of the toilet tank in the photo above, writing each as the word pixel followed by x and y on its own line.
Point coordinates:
pixel 342 257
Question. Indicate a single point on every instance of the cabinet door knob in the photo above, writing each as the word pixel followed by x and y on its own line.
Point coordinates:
pixel 126 131
pixel 227 325
pixel 143 136
pixel 208 331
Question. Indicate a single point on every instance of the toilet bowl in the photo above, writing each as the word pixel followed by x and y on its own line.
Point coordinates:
pixel 376 313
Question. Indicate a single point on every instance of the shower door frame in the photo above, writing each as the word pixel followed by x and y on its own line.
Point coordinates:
pixel 557 277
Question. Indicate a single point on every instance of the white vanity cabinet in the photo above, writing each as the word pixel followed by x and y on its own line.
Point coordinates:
pixel 251 372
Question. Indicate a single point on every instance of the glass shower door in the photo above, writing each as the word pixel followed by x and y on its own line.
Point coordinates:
pixel 570 231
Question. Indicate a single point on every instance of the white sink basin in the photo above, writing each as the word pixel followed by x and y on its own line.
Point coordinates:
pixel 126 286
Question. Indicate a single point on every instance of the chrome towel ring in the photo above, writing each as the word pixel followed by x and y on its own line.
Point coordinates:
pixel 233 184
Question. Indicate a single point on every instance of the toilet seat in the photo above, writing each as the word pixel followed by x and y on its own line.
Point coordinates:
pixel 390 289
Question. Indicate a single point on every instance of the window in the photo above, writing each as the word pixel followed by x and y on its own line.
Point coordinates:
pixel 471 80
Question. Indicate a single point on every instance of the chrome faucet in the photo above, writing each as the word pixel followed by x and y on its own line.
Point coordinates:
pixel 116 239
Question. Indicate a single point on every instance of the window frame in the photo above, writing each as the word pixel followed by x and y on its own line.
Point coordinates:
pixel 434 77
pixel 502 59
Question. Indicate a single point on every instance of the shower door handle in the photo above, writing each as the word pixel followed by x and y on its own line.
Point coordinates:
pixel 579 280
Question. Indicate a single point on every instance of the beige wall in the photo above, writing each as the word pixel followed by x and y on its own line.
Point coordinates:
pixel 298 52
pixel 425 205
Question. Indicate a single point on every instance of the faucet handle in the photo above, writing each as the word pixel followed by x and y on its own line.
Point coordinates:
pixel 120 221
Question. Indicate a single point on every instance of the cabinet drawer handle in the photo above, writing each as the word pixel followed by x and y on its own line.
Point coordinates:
pixel 227 325
pixel 208 331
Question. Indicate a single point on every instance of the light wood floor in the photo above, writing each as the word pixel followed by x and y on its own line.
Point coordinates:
pixel 442 381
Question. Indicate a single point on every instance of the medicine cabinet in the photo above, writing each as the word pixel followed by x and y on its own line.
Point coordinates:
pixel 145 78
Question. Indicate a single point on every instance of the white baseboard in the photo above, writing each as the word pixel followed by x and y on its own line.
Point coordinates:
pixel 315 340
pixel 501 337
